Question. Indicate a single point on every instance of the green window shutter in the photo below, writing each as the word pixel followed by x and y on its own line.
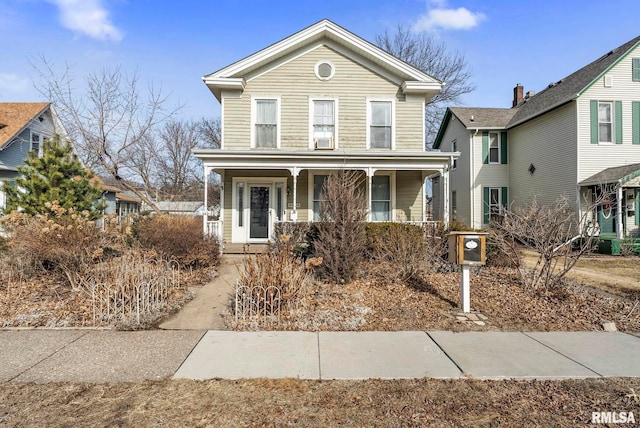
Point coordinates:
pixel 594 121
pixel 635 69
pixel 618 119
pixel 485 147
pixel 503 147
pixel 635 122
pixel 637 207
pixel 485 205
pixel 505 197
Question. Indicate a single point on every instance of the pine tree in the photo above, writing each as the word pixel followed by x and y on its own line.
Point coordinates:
pixel 56 176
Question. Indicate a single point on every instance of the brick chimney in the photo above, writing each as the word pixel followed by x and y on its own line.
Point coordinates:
pixel 518 95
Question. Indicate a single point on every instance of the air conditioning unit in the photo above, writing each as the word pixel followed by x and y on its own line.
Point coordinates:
pixel 323 143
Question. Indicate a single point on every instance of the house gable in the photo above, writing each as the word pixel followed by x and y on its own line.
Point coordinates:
pixel 234 76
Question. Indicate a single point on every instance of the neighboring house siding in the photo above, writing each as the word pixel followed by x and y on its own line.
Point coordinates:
pixel 16 152
pixel 295 83
pixel 596 157
pixel 549 143
pixel 459 177
pixel 409 196
pixel 486 176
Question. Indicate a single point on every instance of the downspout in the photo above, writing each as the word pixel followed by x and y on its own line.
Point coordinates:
pixel 472 178
pixel 620 232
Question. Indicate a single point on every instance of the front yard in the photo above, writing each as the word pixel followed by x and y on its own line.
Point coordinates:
pixel 433 304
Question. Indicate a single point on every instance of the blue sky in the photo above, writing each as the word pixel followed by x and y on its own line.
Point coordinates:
pixel 175 43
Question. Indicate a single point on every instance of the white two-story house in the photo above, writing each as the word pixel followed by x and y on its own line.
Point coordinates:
pixel 576 138
pixel 319 101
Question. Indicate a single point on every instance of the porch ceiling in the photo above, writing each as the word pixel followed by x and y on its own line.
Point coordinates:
pixel 278 159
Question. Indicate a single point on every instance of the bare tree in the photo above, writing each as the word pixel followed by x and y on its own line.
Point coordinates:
pixel 176 167
pixel 555 232
pixel 342 237
pixel 210 133
pixel 432 57
pixel 109 121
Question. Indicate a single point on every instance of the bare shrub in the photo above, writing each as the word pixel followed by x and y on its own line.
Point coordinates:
pixel 62 241
pixel 342 241
pixel 178 238
pixel 552 231
pixel 295 237
pixel 399 251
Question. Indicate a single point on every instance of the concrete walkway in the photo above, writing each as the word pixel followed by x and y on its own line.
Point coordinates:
pixel 204 312
pixel 112 356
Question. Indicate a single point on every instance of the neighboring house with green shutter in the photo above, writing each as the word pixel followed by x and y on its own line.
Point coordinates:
pixel 312 104
pixel 577 137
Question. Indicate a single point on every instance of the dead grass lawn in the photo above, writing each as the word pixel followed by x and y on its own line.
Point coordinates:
pixel 219 403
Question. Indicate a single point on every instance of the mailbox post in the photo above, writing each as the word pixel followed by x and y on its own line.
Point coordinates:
pixel 467 249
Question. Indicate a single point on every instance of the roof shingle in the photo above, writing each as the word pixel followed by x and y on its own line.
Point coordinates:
pixel 15 116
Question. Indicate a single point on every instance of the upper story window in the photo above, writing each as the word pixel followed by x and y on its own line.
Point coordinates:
pixel 35 143
pixel 380 124
pixel 266 132
pixel 454 148
pixel 605 122
pixel 323 123
pixel 635 69
pixel 494 147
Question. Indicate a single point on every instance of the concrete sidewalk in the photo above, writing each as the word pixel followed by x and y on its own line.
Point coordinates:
pixel 113 356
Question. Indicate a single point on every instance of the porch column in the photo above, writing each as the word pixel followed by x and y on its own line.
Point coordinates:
pixel 294 175
pixel 205 221
pixel 621 205
pixel 424 196
pixel 445 195
pixel 369 172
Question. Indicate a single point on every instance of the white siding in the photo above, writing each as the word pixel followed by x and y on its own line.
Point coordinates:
pixel 549 143
pixel 486 175
pixel 596 157
pixel 459 177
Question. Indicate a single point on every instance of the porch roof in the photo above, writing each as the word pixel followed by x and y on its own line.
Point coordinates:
pixel 360 160
pixel 626 175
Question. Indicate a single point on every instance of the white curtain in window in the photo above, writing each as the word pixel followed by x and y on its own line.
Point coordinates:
pixel 266 123
pixel 323 118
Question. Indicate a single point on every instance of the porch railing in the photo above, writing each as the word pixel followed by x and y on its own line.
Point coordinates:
pixel 214 229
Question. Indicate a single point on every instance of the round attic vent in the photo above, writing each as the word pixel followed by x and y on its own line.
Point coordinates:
pixel 324 70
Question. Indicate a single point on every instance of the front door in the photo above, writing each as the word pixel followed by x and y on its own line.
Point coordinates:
pixel 259 212
pixel 607 217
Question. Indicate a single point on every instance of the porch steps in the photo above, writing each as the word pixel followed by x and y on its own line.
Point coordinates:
pixel 244 248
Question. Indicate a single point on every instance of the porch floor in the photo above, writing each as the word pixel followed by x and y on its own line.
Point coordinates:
pixel 244 248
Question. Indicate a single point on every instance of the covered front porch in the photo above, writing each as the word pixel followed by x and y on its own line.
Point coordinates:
pixel 613 198
pixel 261 188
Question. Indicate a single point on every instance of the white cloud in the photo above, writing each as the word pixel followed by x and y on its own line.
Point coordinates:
pixel 88 17
pixel 441 17
pixel 14 83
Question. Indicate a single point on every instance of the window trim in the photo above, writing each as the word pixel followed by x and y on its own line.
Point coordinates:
pixel 393 121
pixel 611 123
pixel 392 195
pixel 498 148
pixel 311 215
pixel 254 111
pixel 312 100
pixel 316 69
pixel 40 142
